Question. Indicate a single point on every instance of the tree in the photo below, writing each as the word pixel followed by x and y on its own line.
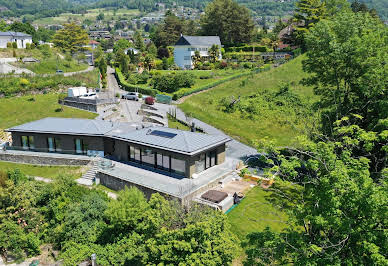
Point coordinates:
pixel 72 38
pixel 214 53
pixel 100 16
pixel 121 44
pixel 168 32
pixel 152 50
pixel 139 41
pixel 196 59
pixel 347 60
pixel 339 216
pixel 230 21
pixel 307 14
pixel 123 60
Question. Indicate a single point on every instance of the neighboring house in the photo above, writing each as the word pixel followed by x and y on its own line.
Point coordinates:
pixel 166 151
pixel 93 44
pixel 186 46
pixel 10 36
pixel 133 50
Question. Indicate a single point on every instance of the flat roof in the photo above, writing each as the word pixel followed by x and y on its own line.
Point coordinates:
pixel 164 138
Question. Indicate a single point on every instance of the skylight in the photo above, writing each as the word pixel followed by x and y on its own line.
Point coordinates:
pixel 162 134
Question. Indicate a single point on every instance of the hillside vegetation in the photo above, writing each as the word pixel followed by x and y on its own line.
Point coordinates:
pixel 271 104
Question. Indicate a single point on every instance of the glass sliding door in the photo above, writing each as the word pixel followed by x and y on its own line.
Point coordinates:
pixel 163 162
pixel 78 145
pixel 31 142
pixel 28 143
pixel 200 164
pixel 178 166
pixel 57 143
pixel 25 143
pixel 51 144
pixel 148 157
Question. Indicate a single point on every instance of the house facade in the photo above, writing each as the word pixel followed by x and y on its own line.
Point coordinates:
pixel 10 36
pixel 163 150
pixel 186 46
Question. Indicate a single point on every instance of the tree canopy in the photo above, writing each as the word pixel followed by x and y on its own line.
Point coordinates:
pixel 228 20
pixel 71 38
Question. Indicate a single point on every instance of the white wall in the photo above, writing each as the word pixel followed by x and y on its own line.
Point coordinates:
pixel 21 42
pixel 182 55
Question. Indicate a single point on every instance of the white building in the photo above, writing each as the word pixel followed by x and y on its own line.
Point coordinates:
pixel 10 36
pixel 186 46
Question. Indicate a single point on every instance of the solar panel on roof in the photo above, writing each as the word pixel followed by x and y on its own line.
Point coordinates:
pixel 162 134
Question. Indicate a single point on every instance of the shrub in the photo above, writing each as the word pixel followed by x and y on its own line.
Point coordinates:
pixel 9 45
pixel 129 87
pixel 24 82
pixel 172 82
pixel 14 53
pixel 14 45
pixel 32 45
pixel 28 46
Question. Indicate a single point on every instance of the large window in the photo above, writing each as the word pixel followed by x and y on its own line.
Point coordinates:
pixel 211 159
pixel 54 144
pixel 134 154
pixel 148 157
pixel 178 166
pixel 200 164
pixel 28 142
pixel 80 146
pixel 163 162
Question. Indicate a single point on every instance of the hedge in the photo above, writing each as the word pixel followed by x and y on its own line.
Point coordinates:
pixel 247 48
pixel 128 87
pixel 187 91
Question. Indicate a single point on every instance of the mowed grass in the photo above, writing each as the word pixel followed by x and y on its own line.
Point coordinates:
pixel 51 65
pixel 42 171
pixel 204 106
pixel 18 110
pixel 263 208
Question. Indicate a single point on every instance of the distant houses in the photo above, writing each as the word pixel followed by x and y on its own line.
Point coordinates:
pixel 187 45
pixel 21 39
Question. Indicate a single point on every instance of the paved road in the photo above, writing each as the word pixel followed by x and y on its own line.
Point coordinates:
pixel 67 74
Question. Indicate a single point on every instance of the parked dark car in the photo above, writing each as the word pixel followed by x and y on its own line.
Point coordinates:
pixel 150 100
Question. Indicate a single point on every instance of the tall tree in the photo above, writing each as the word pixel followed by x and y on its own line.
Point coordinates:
pixel 347 58
pixel 168 32
pixel 340 216
pixel 228 20
pixel 71 38
pixel 139 41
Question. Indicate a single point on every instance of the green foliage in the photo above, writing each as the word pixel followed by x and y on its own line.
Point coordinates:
pixel 347 59
pixel 342 216
pixel 172 82
pixel 229 20
pixel 16 176
pixel 130 87
pixel 71 38
pixel 121 44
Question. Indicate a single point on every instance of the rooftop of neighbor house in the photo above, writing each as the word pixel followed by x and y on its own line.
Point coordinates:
pixel 174 140
pixel 199 40
pixel 13 33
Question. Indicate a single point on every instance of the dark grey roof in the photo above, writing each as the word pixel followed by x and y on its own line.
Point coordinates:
pixel 14 34
pixel 199 40
pixel 185 142
pixel 181 141
pixel 66 126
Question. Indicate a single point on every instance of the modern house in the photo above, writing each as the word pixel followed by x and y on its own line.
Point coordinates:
pixel 186 46
pixel 20 38
pixel 162 150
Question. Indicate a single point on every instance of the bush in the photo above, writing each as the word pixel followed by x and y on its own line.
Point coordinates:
pixel 9 45
pixel 172 82
pixel 129 87
pixel 28 46
pixel 14 45
pixel 32 46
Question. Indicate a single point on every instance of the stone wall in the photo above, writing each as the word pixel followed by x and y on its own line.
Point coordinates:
pixel 41 160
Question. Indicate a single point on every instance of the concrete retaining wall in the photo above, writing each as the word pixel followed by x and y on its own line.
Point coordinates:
pixel 42 160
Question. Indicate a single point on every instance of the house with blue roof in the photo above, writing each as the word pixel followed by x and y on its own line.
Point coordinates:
pixel 186 46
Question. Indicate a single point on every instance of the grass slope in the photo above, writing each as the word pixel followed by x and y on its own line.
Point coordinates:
pixel 51 65
pixel 205 106
pixel 18 110
pixel 42 171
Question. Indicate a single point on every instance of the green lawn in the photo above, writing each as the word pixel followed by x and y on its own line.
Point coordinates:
pixel 172 123
pixel 42 171
pixel 205 106
pixel 18 110
pixel 51 65
pixel 263 208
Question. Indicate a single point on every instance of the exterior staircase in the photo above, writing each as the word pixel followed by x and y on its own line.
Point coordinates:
pixel 88 178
